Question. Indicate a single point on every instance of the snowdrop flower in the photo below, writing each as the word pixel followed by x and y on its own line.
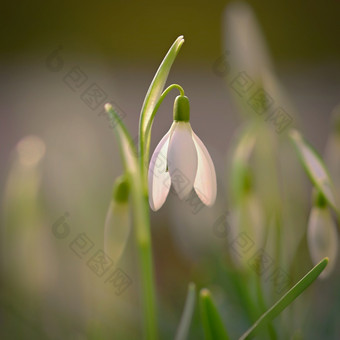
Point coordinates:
pixel 181 159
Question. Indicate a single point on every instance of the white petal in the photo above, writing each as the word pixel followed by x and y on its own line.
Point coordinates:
pixel 205 182
pixel 182 159
pixel 158 177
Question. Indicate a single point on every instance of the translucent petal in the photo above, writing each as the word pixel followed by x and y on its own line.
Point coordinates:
pixel 158 176
pixel 322 238
pixel 182 159
pixel 205 182
pixel 116 230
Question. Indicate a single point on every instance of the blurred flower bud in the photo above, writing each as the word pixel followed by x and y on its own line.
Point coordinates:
pixel 117 223
pixel 322 235
pixel 24 239
pixel 240 172
pixel 243 36
pixel 246 222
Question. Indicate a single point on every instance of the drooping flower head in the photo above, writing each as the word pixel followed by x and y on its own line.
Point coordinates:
pixel 181 160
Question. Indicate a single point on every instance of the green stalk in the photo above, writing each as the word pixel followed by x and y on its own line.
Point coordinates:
pixel 137 174
pixel 145 147
pixel 142 223
pixel 262 305
pixel 140 208
pixel 139 191
pixel 143 240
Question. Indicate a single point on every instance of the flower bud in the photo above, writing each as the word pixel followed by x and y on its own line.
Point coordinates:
pixel 322 236
pixel 117 223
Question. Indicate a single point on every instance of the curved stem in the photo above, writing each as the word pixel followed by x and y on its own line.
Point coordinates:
pixel 144 146
pixel 143 235
pixel 161 98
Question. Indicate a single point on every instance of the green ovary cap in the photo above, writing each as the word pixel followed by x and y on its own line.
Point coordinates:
pixel 121 190
pixel 319 199
pixel 182 109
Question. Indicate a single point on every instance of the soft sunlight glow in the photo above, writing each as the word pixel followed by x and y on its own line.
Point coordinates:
pixel 31 150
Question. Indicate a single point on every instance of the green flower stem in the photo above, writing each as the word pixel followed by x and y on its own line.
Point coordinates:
pixel 278 241
pixel 262 305
pixel 160 100
pixel 137 174
pixel 143 238
pixel 145 147
pixel 142 223
pixel 184 325
pixel 140 204
pixel 140 208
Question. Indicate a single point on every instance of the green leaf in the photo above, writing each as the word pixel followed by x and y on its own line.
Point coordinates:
pixel 212 323
pixel 314 166
pixel 184 325
pixel 286 299
pixel 126 146
pixel 155 91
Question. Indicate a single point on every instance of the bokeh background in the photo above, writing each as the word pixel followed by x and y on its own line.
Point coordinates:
pixel 48 291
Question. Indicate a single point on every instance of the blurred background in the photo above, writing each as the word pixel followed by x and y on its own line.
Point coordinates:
pixel 59 157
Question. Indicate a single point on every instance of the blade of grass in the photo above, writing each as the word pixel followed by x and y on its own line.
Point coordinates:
pixel 212 323
pixel 184 325
pixel 286 299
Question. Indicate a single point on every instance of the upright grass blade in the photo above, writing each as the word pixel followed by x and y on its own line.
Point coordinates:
pixel 286 299
pixel 151 99
pixel 126 146
pixel 212 323
pixel 184 325
pixel 315 167
pixel 141 224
